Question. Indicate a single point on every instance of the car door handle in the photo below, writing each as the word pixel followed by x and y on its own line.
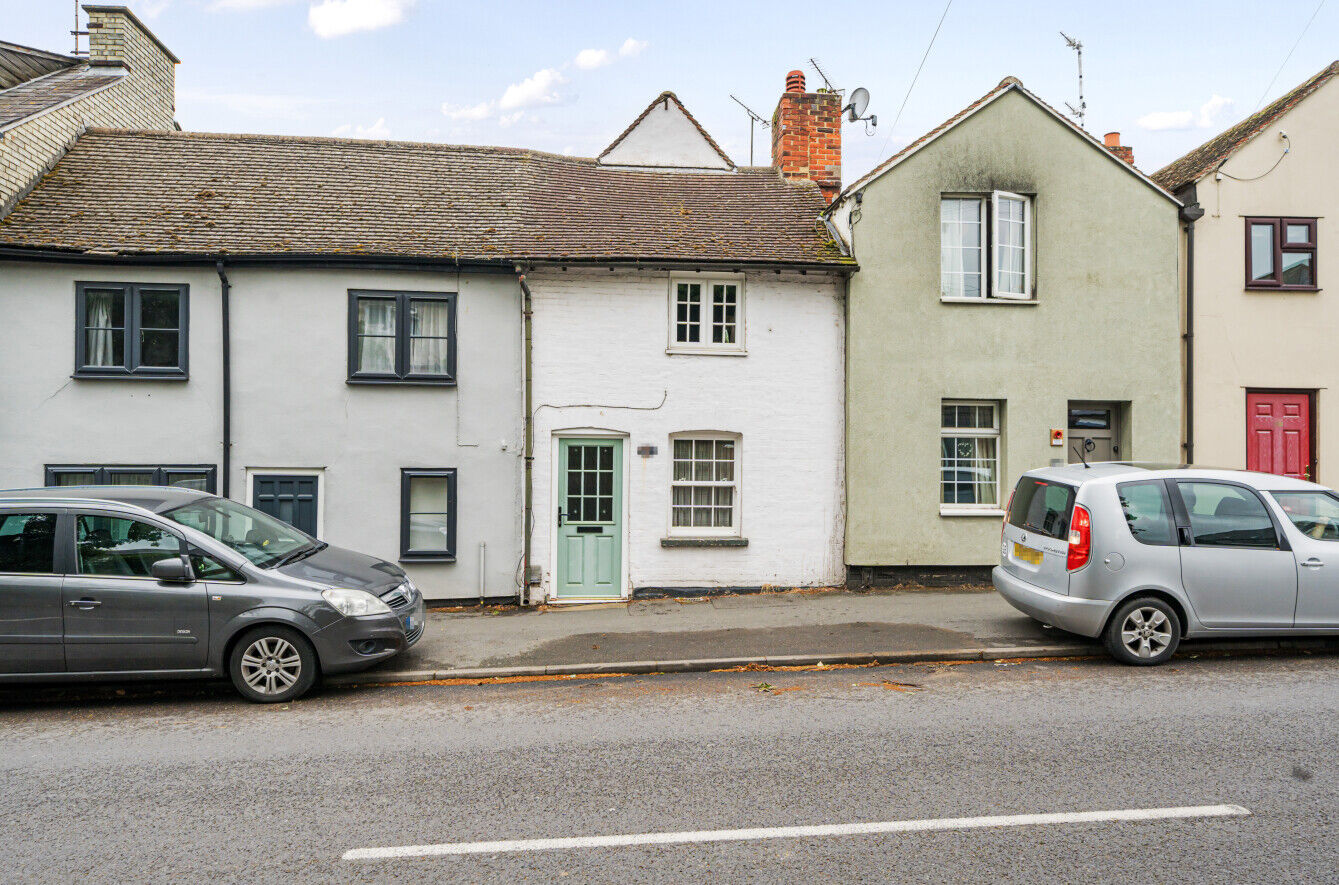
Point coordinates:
pixel 84 603
pixel 1313 562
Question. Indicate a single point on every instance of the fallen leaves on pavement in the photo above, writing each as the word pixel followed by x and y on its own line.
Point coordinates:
pixel 890 685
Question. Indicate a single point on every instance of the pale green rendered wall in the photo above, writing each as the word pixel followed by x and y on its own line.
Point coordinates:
pixel 1105 326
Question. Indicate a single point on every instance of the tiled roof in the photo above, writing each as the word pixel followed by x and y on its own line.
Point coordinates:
pixel 206 194
pixel 1214 152
pixel 669 96
pixel 53 89
pixel 19 64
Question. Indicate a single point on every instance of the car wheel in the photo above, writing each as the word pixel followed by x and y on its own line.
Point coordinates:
pixel 271 664
pixel 1143 631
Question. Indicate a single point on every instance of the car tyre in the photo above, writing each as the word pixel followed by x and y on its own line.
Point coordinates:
pixel 271 664
pixel 1144 632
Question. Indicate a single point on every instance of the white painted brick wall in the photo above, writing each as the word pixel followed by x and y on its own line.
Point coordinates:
pixel 600 337
pixel 144 99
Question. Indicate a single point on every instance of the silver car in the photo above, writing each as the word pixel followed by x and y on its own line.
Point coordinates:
pixel 120 582
pixel 1144 557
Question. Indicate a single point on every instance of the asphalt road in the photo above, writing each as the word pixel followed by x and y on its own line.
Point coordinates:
pixel 190 784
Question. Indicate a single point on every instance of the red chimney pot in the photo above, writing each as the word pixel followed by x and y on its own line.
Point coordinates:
pixel 795 81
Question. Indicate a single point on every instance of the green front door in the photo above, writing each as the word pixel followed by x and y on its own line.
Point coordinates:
pixel 590 518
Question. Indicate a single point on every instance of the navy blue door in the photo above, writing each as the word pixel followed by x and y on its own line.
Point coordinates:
pixel 290 498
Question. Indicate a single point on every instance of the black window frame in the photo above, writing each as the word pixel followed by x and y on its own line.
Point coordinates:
pixel 402 374
pixel 98 474
pixel 1185 532
pixel 407 475
pixel 1282 247
pixel 130 369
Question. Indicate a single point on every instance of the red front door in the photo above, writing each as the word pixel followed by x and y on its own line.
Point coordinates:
pixel 1278 433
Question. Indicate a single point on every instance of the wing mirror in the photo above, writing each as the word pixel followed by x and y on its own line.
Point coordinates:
pixel 175 570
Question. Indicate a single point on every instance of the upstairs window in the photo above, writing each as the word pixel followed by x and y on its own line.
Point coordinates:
pixel 985 247
pixel 1281 253
pixel 130 330
pixel 402 337
pixel 706 316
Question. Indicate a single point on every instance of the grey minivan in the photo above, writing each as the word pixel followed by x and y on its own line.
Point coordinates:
pixel 121 582
pixel 1144 557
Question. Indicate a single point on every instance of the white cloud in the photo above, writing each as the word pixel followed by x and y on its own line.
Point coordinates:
pixel 589 59
pixel 508 119
pixel 377 130
pixel 335 18
pixel 540 88
pixel 1172 120
pixel 480 111
pixel 632 47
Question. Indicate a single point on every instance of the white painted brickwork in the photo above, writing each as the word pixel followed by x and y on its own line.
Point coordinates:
pixel 600 337
pixel 144 99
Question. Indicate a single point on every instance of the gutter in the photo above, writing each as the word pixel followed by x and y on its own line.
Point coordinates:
pixel 225 292
pixel 1190 213
pixel 528 495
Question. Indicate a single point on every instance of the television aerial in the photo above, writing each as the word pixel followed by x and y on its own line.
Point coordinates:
pixel 856 107
pixel 755 119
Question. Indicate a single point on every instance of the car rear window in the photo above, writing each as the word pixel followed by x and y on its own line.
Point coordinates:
pixel 1042 506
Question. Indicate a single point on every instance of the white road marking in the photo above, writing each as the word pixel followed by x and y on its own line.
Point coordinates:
pixel 855 829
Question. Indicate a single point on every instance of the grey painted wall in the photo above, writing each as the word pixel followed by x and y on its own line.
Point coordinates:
pixel 1104 326
pixel 292 407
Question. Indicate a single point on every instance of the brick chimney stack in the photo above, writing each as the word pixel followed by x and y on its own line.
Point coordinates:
pixel 1124 152
pixel 807 135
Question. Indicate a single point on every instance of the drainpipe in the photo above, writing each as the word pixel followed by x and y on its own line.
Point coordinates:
pixel 225 291
pixel 527 508
pixel 1190 214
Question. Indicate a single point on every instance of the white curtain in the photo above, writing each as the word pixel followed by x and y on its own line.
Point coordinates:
pixel 101 345
pixel 960 248
pixel 430 342
pixel 376 335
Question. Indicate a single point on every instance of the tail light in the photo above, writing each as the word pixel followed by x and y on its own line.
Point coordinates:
pixel 1080 539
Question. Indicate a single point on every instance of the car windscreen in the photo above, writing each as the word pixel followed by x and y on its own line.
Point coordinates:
pixel 1042 506
pixel 258 536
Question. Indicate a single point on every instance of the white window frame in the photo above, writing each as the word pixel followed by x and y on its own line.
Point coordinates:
pixel 735 529
pixel 991 292
pixel 706 282
pixel 994 432
pixel 983 252
pixel 997 290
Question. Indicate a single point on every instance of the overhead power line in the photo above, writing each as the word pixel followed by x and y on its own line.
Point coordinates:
pixel 1305 28
pixel 930 46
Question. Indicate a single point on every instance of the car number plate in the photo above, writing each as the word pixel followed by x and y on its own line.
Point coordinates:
pixel 1027 554
pixel 409 622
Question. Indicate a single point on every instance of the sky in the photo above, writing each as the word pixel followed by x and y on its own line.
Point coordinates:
pixel 568 75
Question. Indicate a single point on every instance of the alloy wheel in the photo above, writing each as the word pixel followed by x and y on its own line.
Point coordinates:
pixel 1146 632
pixel 271 665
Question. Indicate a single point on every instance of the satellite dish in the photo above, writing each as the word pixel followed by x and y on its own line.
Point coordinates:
pixel 859 104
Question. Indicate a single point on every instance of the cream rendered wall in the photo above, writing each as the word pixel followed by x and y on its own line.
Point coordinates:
pixel 1104 326
pixel 292 407
pixel 601 337
pixel 1260 339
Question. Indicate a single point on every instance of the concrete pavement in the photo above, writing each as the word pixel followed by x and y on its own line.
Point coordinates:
pixel 178 788
pixel 796 627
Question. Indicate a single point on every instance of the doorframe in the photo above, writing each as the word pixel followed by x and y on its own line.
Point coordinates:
pixel 1312 395
pixel 318 472
pixel 555 470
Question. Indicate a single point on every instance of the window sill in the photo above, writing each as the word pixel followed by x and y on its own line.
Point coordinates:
pixel 945 510
pixel 706 351
pixel 704 542
pixel 1003 302
pixel 427 557
pixel 129 376
pixel 401 382
pixel 1284 289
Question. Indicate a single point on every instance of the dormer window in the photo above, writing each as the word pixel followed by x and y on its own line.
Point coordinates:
pixel 985 247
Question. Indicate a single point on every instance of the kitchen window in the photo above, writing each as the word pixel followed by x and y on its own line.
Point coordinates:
pixel 428 514
pixel 704 488
pixel 130 330
pixel 402 337
pixel 191 476
pixel 706 315
pixel 985 247
pixel 969 460
pixel 1281 253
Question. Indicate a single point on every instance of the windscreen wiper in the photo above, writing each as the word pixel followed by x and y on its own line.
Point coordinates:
pixel 300 553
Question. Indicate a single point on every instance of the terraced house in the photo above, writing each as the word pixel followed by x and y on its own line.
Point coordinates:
pixel 517 374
